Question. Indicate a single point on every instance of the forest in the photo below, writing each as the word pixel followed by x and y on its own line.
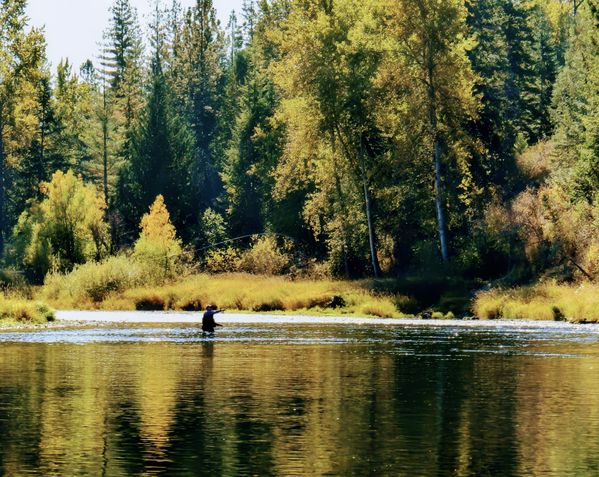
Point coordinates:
pixel 445 145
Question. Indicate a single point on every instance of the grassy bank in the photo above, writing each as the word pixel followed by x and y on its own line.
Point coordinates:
pixel 21 311
pixel 120 283
pixel 124 283
pixel 545 301
pixel 238 292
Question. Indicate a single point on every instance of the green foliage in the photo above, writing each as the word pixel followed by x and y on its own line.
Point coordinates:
pixel 196 79
pixel 213 228
pixel 160 160
pixel 11 279
pixel 265 257
pixel 65 229
pixel 222 260
pixel 22 55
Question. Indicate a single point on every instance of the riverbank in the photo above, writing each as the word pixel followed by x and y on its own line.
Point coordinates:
pixel 238 292
pixel 438 298
pixel 20 311
pixel 545 301
pixel 106 318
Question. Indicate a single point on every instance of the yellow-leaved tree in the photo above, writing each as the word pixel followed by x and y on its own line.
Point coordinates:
pixel 65 229
pixel 158 247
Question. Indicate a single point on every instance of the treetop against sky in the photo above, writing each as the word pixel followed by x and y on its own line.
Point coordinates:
pixel 73 28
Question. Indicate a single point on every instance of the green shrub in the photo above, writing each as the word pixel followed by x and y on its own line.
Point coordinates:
pixel 12 280
pixel 265 258
pixel 95 281
pixel 66 228
pixel 272 305
pixel 190 305
pixel 223 260
pixel 450 302
pixel 406 304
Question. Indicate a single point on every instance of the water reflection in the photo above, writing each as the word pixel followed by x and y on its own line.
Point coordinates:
pixel 299 400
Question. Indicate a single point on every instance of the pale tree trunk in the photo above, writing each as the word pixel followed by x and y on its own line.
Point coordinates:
pixel 439 197
pixel 342 200
pixel 2 192
pixel 105 145
pixel 376 269
pixel 345 234
pixel 439 201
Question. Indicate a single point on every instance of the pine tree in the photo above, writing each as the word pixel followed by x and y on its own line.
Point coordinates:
pixel 121 84
pixel 197 81
pixel 515 58
pixel 41 158
pixel 576 106
pixel 160 152
pixel 73 103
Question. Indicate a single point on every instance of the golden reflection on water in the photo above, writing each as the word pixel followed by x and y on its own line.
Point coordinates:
pixel 272 409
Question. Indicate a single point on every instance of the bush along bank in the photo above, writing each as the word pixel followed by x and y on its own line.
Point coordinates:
pixel 22 311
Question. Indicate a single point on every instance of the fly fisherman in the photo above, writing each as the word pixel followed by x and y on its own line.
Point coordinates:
pixel 208 323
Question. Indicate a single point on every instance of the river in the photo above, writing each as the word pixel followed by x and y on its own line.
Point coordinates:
pixel 151 395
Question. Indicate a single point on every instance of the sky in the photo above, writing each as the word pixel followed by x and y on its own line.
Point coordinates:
pixel 74 27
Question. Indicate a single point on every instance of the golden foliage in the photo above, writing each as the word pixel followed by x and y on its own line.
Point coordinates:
pixel 158 247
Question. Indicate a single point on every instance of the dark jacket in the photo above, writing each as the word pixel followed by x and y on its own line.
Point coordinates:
pixel 208 323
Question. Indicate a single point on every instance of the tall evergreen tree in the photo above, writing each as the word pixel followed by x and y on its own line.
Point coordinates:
pixel 515 59
pixel 198 81
pixel 120 86
pixel 160 152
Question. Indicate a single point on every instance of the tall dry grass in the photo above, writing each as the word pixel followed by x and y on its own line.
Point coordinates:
pixel 20 310
pixel 544 301
pixel 239 292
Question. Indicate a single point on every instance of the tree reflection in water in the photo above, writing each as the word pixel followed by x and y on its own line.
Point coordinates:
pixel 363 401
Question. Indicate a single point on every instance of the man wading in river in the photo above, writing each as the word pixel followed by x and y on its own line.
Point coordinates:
pixel 208 323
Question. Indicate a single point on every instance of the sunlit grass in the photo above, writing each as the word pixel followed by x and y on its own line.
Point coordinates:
pixel 14 310
pixel 234 292
pixel 544 301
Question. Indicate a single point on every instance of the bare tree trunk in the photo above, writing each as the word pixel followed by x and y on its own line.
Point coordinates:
pixel 341 199
pixel 439 200
pixel 105 145
pixel 2 192
pixel 441 222
pixel 376 269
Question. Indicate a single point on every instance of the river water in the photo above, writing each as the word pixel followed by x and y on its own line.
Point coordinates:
pixel 289 398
